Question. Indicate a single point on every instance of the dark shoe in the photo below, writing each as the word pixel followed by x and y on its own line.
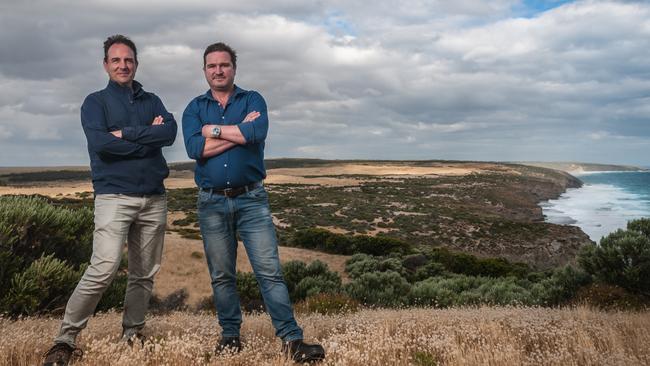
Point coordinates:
pixel 228 345
pixel 300 351
pixel 60 355
pixel 137 338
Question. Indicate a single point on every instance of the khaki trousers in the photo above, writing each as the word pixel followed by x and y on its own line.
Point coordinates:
pixel 138 221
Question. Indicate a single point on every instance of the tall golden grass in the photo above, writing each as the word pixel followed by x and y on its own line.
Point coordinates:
pixel 461 336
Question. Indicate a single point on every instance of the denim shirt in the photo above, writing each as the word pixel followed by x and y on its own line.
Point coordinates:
pixel 240 165
pixel 133 164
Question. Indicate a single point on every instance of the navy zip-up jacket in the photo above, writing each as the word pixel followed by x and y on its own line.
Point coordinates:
pixel 133 164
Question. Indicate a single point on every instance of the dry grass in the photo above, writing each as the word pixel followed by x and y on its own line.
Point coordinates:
pixel 180 269
pixel 484 336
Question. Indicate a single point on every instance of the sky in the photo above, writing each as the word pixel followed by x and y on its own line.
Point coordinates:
pixel 498 80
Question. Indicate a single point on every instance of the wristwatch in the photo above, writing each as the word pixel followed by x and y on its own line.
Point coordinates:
pixel 216 131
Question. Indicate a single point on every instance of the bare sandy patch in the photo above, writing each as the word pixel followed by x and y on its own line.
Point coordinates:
pixel 379 170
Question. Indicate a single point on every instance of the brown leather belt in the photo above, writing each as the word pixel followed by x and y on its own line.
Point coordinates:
pixel 233 192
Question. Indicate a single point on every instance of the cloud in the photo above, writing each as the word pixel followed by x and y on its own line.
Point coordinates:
pixel 412 80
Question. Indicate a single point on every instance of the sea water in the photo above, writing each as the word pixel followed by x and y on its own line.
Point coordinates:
pixel 605 203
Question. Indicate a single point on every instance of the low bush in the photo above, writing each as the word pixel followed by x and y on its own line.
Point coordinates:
pixel 328 304
pixel 609 297
pixel 323 240
pixel 43 286
pixel 560 287
pixel 308 280
pixel 463 263
pixel 172 302
pixel 622 258
pixel 250 296
pixel 380 288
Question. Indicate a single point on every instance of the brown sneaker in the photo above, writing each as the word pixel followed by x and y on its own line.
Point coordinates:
pixel 60 355
pixel 302 352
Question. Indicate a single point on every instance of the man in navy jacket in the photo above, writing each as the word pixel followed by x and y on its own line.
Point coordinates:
pixel 126 127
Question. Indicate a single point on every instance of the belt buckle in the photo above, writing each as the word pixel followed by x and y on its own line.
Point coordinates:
pixel 228 192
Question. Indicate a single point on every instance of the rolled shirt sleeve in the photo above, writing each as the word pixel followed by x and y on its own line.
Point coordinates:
pixel 255 131
pixel 194 140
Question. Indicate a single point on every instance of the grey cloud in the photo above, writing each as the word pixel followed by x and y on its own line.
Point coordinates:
pixel 452 80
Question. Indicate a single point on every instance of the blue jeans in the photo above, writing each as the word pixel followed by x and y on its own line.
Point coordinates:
pixel 248 214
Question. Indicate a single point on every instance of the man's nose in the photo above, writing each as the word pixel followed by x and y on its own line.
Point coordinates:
pixel 122 65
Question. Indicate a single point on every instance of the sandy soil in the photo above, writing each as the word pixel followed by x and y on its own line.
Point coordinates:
pixel 182 269
pixel 275 176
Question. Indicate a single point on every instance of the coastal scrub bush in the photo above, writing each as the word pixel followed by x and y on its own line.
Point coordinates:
pixel 473 266
pixel 43 252
pixel 560 287
pixel 470 290
pixel 622 258
pixel 325 241
pixel 315 278
pixel 43 286
pixel 380 288
pixel 250 296
pixel 31 226
pixel 328 304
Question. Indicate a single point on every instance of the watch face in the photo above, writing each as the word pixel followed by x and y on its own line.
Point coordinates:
pixel 216 131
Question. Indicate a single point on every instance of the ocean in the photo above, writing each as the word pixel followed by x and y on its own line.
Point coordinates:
pixel 606 202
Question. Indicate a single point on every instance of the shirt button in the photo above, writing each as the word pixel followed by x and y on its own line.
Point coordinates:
pixel 225 165
pixel 228 183
pixel 222 117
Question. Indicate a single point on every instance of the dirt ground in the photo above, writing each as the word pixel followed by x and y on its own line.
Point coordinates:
pixel 184 266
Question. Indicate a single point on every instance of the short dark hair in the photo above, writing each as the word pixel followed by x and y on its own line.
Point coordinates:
pixel 221 47
pixel 118 38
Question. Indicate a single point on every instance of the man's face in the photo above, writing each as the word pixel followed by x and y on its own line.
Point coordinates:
pixel 219 71
pixel 120 64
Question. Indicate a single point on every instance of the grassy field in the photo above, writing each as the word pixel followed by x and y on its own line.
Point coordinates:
pixel 470 336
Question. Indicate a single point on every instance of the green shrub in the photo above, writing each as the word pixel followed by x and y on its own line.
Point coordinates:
pixel 463 263
pixel 323 240
pixel 310 286
pixel 249 291
pixel 31 227
pixel 431 269
pixel 380 288
pixel 609 297
pixel 560 287
pixel 293 272
pixel 471 290
pixel 308 280
pixel 360 264
pixel 328 304
pixel 622 258
pixel 172 302
pixel 640 225
pixel 43 286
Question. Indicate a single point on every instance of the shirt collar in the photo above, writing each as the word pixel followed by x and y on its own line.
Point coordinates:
pixel 137 88
pixel 236 92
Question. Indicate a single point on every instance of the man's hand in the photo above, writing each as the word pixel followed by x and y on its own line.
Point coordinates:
pixel 252 116
pixel 206 130
pixel 117 133
pixel 157 121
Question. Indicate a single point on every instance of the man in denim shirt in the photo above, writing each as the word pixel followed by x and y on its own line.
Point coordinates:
pixel 126 128
pixel 224 131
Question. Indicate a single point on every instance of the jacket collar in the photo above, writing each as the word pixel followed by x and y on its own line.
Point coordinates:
pixel 115 87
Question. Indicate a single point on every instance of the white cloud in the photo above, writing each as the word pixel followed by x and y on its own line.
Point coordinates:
pixel 417 79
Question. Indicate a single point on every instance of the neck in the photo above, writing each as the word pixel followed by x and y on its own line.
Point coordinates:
pixel 222 95
pixel 125 85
